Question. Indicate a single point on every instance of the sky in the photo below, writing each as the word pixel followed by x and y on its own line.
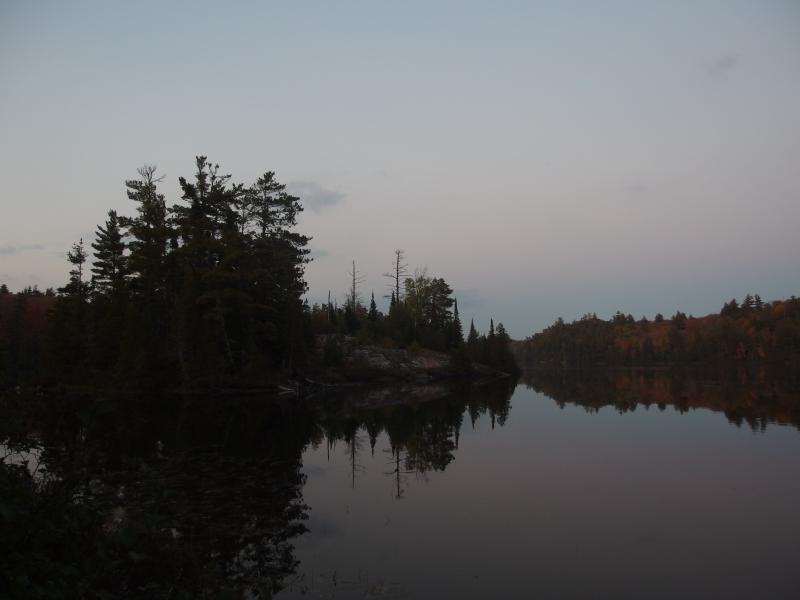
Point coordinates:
pixel 546 159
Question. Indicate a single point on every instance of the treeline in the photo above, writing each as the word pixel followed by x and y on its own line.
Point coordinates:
pixel 209 292
pixel 747 334
pixel 203 291
pixel 423 313
pixel 23 327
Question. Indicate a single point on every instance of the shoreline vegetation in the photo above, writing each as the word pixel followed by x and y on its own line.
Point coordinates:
pixel 742 342
pixel 207 294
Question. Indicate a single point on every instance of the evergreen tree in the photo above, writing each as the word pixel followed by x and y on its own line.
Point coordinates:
pixel 748 303
pixel 473 343
pixel 276 279
pixel 472 336
pixel 151 235
pixel 109 269
pixel 69 334
pixel 437 311
pixel 373 309
pixel 76 287
pixel 109 305
pixel 149 328
pixel 457 336
pixel 730 309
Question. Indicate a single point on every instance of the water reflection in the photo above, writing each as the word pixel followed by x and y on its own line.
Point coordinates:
pixel 193 496
pixel 463 496
pixel 755 403
pixel 422 424
pixel 363 494
pixel 154 497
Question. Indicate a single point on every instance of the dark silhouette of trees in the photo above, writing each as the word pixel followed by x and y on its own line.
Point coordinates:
pixel 748 334
pixel 76 287
pixel 109 266
pixel 205 292
pixel 208 292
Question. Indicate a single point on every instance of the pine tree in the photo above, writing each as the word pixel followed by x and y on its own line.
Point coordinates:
pixel 276 259
pixel 109 304
pixel 76 287
pixel 458 334
pixel 109 267
pixel 373 309
pixel 150 232
pixel 503 358
pixel 472 337
pixel 473 343
pixel 748 303
pixel 203 292
pixel 69 343
pixel 149 329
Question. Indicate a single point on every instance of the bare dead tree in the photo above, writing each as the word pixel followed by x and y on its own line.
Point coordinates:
pixel 398 272
pixel 148 175
pixel 356 279
pixel 399 471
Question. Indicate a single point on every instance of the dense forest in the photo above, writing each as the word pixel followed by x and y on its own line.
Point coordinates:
pixel 209 292
pixel 750 333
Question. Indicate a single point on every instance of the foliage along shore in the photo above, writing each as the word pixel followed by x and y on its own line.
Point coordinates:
pixel 208 294
pixel 750 336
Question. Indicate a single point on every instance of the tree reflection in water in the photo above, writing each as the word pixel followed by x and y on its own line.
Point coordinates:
pixel 152 497
pixel 422 424
pixel 190 497
pixel 754 402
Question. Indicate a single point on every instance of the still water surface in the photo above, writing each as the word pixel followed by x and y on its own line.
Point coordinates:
pixel 512 494
pixel 618 486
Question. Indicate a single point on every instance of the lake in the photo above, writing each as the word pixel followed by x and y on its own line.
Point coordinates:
pixel 528 497
pixel 623 486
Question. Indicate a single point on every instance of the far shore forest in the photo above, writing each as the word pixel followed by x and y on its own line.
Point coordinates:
pixel 751 335
pixel 208 292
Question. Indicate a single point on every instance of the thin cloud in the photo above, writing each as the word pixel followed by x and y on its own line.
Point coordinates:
pixel 637 187
pixel 17 248
pixel 318 253
pixel 314 196
pixel 722 66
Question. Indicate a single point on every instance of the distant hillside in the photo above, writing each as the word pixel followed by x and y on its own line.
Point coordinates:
pixel 750 333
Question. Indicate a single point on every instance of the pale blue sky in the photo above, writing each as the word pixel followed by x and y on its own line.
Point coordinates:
pixel 547 159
